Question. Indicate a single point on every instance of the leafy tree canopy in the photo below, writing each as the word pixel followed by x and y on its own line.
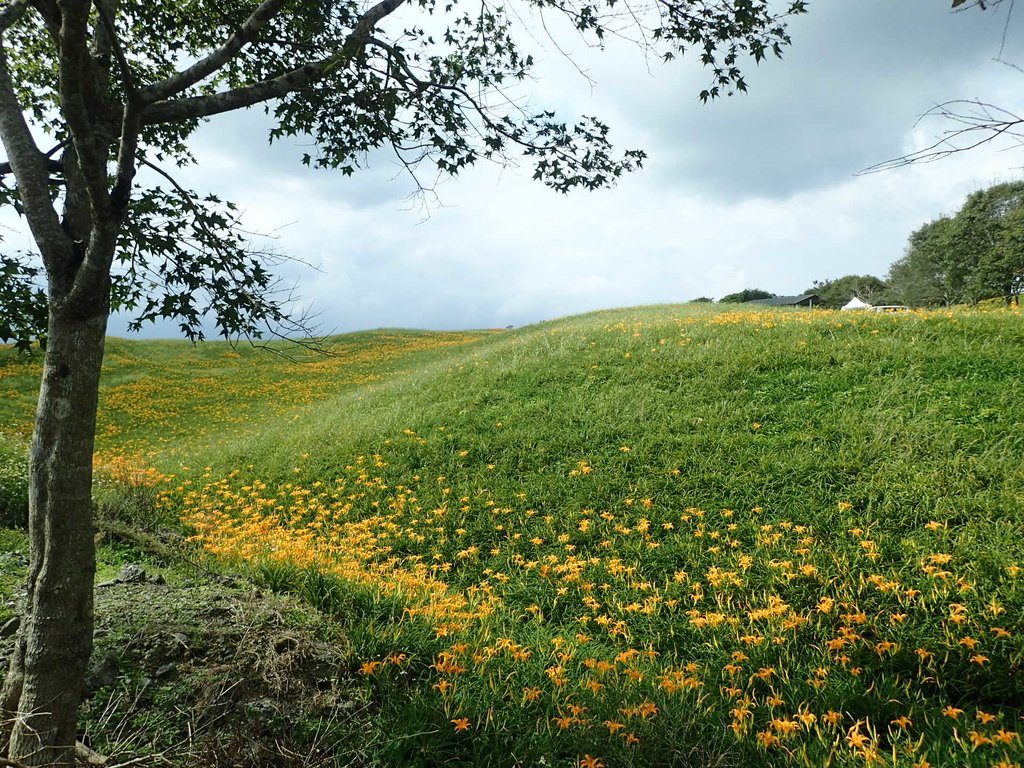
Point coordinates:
pixel 747 294
pixel 976 254
pixel 835 293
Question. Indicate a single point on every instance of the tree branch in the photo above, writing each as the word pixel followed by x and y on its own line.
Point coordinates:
pixel 31 169
pixel 53 166
pixel 51 15
pixel 107 22
pixel 237 98
pixel 75 71
pixel 92 277
pixel 126 160
pixel 10 12
pixel 361 32
pixel 205 67
pixel 474 104
pixel 980 123
pixel 226 101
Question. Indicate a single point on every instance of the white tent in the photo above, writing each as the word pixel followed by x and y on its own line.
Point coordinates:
pixel 856 303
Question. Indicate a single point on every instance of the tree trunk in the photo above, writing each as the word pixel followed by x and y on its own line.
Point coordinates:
pixel 46 678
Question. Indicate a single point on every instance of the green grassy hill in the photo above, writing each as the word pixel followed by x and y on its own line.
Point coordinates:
pixel 659 536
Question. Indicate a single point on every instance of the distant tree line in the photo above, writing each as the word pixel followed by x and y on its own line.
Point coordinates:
pixel 974 255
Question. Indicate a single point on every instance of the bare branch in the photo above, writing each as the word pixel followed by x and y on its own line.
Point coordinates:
pixel 107 21
pixel 51 15
pixel 979 123
pixel 126 159
pixel 205 67
pixel 237 98
pixel 54 166
pixel 361 32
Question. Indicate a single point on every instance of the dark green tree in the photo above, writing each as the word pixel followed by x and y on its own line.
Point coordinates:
pixel 991 238
pixel 747 294
pixel 835 293
pixel 113 85
pixel 976 254
pixel 931 273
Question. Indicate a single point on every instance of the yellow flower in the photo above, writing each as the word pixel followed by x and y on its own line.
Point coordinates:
pixel 591 762
pixel 785 726
pixel 952 712
pixel 461 723
pixel 767 738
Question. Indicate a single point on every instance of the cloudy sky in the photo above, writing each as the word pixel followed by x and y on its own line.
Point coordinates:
pixel 758 190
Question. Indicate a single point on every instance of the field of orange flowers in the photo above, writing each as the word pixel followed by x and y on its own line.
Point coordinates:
pixel 595 617
pixel 664 536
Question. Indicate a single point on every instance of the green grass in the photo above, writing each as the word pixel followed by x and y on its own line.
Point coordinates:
pixel 542 511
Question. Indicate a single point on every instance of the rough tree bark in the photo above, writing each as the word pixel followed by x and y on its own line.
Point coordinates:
pixel 45 680
pixel 44 684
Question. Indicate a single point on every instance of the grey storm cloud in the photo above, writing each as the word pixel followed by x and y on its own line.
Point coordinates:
pixel 757 190
pixel 855 80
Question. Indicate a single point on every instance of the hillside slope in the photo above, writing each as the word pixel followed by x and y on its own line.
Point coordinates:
pixel 658 536
pixel 663 536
